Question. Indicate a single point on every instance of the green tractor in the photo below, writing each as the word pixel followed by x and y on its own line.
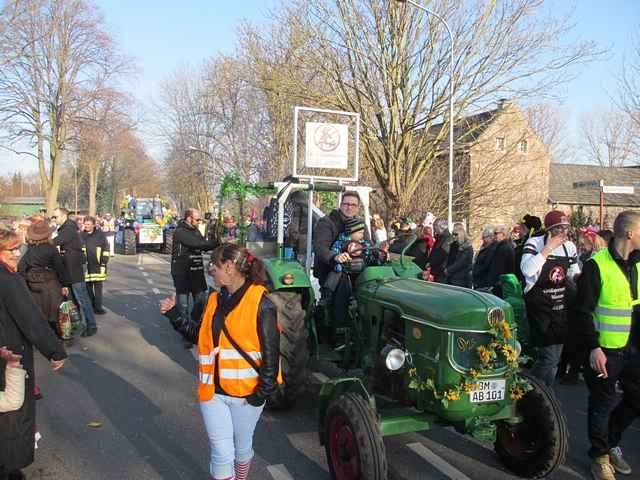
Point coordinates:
pixel 140 229
pixel 408 356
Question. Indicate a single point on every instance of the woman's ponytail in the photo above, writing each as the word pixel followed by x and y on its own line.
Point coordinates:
pixel 251 267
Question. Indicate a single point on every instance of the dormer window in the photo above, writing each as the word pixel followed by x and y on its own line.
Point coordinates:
pixel 523 146
pixel 500 144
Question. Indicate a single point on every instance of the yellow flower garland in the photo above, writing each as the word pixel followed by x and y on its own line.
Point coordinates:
pixel 487 354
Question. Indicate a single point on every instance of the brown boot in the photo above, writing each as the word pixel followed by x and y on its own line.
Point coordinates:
pixel 601 468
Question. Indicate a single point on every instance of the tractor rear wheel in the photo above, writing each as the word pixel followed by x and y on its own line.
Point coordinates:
pixel 167 246
pixel 537 446
pixel 294 350
pixel 353 443
pixel 129 242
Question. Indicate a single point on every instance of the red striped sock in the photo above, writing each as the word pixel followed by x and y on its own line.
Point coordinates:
pixel 242 470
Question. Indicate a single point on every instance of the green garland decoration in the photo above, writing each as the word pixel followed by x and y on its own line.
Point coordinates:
pixel 234 186
pixel 499 347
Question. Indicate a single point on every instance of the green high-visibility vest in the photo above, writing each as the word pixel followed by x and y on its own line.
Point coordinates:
pixel 612 316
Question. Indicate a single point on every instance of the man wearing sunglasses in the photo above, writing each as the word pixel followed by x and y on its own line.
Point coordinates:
pixel 187 268
pixel 549 263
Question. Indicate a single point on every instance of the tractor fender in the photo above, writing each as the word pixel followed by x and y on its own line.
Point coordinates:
pixel 277 268
pixel 332 389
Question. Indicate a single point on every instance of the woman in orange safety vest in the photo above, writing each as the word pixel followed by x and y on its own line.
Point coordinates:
pixel 238 357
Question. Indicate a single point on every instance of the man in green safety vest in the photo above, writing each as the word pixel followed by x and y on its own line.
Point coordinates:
pixel 608 293
pixel 96 248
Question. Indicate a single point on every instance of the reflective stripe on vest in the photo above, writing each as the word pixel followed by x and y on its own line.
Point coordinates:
pixel 102 275
pixel 237 377
pixel 613 313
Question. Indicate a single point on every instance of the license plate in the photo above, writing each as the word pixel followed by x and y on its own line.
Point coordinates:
pixel 488 391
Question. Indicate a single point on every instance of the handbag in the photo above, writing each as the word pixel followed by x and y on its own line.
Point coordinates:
pixel 12 398
pixel 69 320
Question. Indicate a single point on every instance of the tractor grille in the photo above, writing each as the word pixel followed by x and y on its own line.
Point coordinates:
pixel 464 350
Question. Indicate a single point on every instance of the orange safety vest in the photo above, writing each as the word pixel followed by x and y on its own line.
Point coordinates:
pixel 236 375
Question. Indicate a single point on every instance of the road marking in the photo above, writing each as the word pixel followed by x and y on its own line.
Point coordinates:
pixel 141 268
pixel 149 281
pixel 440 464
pixel 156 291
pixel 279 472
pixel 145 274
pixel 320 377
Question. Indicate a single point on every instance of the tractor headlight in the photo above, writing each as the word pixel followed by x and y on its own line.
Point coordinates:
pixel 518 347
pixel 288 279
pixel 394 357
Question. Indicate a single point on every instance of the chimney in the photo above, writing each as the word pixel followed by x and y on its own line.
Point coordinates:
pixel 502 102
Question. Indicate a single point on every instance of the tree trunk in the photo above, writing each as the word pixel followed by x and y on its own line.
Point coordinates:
pixel 55 156
pixel 93 188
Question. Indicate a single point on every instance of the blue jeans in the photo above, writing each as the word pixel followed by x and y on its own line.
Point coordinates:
pixel 546 365
pixel 85 306
pixel 186 302
pixel 230 423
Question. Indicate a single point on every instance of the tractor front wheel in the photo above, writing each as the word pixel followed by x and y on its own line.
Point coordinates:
pixel 167 246
pixel 129 242
pixel 294 350
pixel 536 446
pixel 353 443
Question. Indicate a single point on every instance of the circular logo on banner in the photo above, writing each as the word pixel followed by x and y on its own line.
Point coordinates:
pixel 557 274
pixel 326 138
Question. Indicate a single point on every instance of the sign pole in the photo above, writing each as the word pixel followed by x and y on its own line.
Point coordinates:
pixel 601 204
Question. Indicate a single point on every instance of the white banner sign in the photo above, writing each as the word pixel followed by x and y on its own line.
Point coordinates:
pixel 326 145
pixel 616 189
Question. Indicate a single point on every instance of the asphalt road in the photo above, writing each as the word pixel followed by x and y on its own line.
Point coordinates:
pixel 136 379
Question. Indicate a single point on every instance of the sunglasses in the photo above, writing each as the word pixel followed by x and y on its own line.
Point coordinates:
pixel 344 204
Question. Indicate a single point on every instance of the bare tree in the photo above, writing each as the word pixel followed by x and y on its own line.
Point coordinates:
pixel 278 63
pixel 609 138
pixel 629 85
pixel 242 138
pixel 65 59
pixel 549 123
pixel 388 61
pixel 96 130
pixel 187 129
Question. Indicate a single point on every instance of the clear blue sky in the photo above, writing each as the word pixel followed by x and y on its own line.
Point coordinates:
pixel 164 34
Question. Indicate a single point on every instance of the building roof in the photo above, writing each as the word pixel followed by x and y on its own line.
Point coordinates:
pixel 468 129
pixel 563 176
pixel 23 200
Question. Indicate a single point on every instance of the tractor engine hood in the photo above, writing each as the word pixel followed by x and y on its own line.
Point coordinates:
pixel 446 306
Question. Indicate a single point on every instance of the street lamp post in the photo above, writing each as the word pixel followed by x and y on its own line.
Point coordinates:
pixel 451 117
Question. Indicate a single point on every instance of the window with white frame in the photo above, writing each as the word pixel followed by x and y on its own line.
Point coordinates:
pixel 500 144
pixel 523 146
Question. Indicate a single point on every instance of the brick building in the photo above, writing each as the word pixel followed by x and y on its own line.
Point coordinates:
pixel 501 169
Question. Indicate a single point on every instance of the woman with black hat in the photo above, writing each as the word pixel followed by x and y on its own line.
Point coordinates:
pixel 43 269
pixel 549 263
